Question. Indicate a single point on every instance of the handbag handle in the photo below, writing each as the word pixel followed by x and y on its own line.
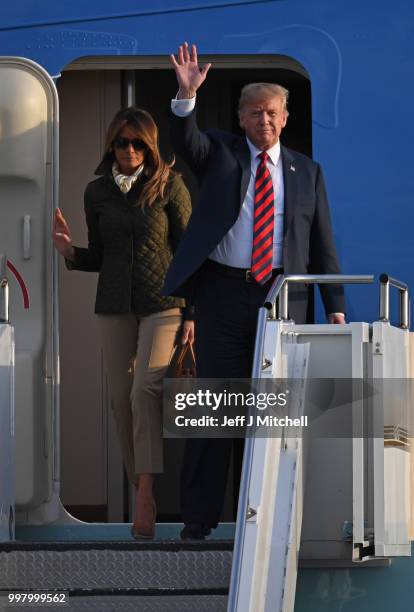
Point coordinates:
pixel 185 348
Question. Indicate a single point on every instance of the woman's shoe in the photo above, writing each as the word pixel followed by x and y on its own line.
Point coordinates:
pixel 145 529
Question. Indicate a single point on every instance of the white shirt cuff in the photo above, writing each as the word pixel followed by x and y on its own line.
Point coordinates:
pixel 183 107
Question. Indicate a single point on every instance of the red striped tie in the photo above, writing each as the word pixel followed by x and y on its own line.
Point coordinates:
pixel 263 223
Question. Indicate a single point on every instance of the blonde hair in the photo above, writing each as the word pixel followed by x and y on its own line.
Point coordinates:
pixel 256 91
pixel 156 168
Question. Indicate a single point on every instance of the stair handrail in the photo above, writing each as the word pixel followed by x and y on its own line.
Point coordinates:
pixel 386 282
pixel 280 289
pixel 4 290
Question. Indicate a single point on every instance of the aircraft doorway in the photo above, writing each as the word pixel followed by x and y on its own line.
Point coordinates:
pixel 94 487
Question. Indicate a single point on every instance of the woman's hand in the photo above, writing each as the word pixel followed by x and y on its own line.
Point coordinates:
pixel 189 75
pixel 188 332
pixel 61 235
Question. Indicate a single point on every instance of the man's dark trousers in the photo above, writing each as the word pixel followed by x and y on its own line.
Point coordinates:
pixel 226 312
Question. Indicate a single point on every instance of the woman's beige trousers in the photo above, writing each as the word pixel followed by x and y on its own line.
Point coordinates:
pixel 136 354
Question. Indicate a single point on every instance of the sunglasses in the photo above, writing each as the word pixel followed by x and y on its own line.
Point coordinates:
pixel 123 143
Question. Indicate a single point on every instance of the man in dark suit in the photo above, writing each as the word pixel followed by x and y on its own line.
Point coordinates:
pixel 262 210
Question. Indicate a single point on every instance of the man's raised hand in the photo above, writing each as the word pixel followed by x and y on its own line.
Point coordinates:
pixel 189 74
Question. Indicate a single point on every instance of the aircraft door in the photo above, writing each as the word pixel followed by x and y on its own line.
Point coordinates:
pixel 28 179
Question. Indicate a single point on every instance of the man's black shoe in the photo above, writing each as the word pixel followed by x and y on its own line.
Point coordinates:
pixel 194 531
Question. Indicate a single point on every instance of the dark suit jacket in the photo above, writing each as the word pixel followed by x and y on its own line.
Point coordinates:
pixel 221 161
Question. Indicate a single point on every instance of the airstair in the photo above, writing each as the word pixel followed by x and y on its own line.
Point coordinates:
pixel 334 494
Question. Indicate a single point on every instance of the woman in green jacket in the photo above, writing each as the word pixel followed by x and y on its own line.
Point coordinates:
pixel 136 212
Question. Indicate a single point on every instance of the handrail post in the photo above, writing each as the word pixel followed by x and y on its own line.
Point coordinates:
pixel 384 314
pixel 284 302
pixel 4 290
pixel 404 308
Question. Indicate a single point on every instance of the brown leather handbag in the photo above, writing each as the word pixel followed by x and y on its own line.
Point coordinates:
pixel 182 363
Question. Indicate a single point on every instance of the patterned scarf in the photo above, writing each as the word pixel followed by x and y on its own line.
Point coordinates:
pixel 125 181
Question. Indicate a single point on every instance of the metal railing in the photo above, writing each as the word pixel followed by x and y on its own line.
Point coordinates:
pixel 280 287
pixel 4 290
pixel 280 291
pixel 404 305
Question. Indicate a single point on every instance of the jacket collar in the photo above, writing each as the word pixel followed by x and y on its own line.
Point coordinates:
pixel 105 166
pixel 105 169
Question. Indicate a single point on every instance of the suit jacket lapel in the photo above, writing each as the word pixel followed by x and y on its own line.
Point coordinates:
pixel 242 153
pixel 290 186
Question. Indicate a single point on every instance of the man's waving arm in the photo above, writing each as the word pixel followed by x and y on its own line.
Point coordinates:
pixel 191 144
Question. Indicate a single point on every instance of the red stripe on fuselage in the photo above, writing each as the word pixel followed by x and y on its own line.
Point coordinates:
pixel 21 283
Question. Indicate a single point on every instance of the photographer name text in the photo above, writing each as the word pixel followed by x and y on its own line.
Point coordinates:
pixel 241 421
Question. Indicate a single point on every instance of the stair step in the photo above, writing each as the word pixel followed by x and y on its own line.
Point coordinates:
pixel 159 566
pixel 141 603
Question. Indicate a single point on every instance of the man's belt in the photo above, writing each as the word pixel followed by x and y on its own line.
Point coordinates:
pixel 241 273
